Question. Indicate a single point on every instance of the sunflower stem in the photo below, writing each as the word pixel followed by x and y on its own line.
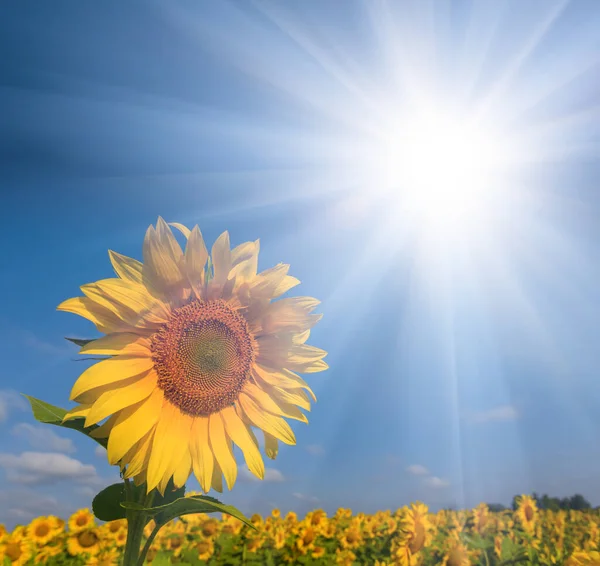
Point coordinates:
pixel 148 544
pixel 136 521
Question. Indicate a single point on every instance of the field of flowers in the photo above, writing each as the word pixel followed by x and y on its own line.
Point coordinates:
pixel 409 536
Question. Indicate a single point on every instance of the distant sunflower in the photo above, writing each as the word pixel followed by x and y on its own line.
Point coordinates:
pixel 85 542
pixel 205 549
pixel 527 513
pixel 15 549
pixel 81 520
pixel 199 355
pixel 41 531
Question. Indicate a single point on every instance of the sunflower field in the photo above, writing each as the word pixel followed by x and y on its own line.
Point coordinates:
pixel 409 536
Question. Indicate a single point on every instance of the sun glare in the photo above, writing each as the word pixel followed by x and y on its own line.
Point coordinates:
pixel 444 171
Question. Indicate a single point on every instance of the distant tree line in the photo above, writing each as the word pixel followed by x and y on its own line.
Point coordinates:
pixel 576 502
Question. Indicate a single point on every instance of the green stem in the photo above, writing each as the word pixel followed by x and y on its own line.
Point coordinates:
pixel 149 542
pixel 136 521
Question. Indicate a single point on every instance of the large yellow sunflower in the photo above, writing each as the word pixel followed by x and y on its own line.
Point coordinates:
pixel 200 353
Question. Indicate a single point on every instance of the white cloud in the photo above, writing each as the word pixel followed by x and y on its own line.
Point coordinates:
pixel 417 470
pixel 271 475
pixel 436 482
pixel 496 414
pixel 100 451
pixel 315 449
pixel 303 497
pixel 36 468
pixel 10 400
pixel 43 438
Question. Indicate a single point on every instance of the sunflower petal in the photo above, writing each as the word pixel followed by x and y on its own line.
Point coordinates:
pixel 281 378
pixel 271 445
pixel 217 478
pixel 104 319
pixel 81 411
pixel 118 343
pixel 221 446
pixel 202 456
pixel 126 268
pixel 132 424
pixel 170 441
pixel 272 424
pixel 183 229
pixel 117 399
pixel 196 256
pixel 240 434
pixel 103 431
pixel 183 470
pixel 136 458
pixel 160 268
pixel 110 371
pixel 221 258
pixel 269 404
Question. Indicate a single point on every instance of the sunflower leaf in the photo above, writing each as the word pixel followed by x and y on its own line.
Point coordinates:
pixel 187 506
pixel 79 341
pixel 107 504
pixel 171 494
pixel 50 414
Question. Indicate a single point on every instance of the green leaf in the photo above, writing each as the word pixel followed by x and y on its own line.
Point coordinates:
pixel 107 504
pixel 79 341
pixel 50 414
pixel 188 506
pixel 162 558
pixel 171 494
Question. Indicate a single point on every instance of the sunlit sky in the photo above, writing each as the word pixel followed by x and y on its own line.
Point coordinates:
pixel 428 168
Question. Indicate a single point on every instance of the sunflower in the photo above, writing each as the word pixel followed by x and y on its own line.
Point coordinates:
pixel 205 549
pixel 15 548
pixel 527 513
pixel 81 520
pixel 106 557
pixel 590 558
pixel 318 552
pixel 44 554
pixel 85 542
pixel 41 531
pixel 199 354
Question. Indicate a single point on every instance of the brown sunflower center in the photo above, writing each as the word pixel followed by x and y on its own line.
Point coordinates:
pixel 13 551
pixel 42 530
pixel 203 356
pixel 87 539
pixel 81 520
pixel 528 512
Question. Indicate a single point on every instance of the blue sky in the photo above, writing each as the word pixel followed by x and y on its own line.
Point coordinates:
pixel 461 370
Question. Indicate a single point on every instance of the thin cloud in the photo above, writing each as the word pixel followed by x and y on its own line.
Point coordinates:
pixel 303 497
pixel 437 483
pixel 503 413
pixel 100 451
pixel 417 470
pixel 47 468
pixel 42 438
pixel 271 475
pixel 10 400
pixel 315 449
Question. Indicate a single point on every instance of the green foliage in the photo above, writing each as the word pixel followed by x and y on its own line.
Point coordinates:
pixel 186 506
pixel 50 414
pixel 79 341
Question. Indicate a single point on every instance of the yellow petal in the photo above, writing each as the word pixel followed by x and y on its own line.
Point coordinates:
pixel 290 396
pixel 291 314
pixel 272 424
pixel 266 283
pixel 126 268
pixel 170 441
pixel 183 470
pixel 81 411
pixel 160 267
pixel 287 283
pixel 267 403
pixel 110 371
pixel 135 299
pixel 311 367
pixel 104 319
pixel 221 258
pixel 117 399
pixel 217 478
pixel 220 444
pixel 244 262
pixel 196 256
pixel 118 343
pixel 271 446
pixel 183 229
pixel 133 423
pixel 103 431
pixel 239 433
pixel 282 378
pixel 202 456
pixel 138 455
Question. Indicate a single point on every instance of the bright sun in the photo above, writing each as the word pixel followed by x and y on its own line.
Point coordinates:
pixel 444 171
